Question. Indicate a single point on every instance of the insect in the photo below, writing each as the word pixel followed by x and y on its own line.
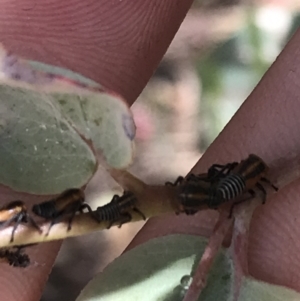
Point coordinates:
pixel 196 195
pixel 197 191
pixel 223 183
pixel 15 212
pixel 67 203
pixel 15 256
pixel 118 209
pixel 240 177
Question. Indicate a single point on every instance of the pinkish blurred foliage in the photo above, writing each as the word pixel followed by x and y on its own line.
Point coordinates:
pixel 144 122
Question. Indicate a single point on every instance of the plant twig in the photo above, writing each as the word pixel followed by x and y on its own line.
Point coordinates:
pixel 151 201
pixel 239 244
pixel 209 254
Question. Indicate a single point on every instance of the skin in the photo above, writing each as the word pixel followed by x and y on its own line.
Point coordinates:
pixel 119 44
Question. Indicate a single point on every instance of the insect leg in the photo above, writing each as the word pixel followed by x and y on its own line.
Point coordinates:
pixel 7 223
pixel 115 198
pixel 72 209
pixel 110 224
pixel 18 220
pixel 178 181
pixel 190 211
pixel 71 219
pixel 125 218
pixel 252 193
pixel 263 190
pixel 33 223
pixel 139 212
pixel 270 183
pixel 85 206
pixel 81 208
pixel 196 178
pixel 51 225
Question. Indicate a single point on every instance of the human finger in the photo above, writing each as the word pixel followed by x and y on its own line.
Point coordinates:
pixel 116 43
pixel 268 125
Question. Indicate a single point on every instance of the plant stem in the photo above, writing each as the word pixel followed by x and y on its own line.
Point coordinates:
pixel 209 254
pixel 151 201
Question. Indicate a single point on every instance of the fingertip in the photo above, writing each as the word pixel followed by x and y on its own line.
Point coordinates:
pixel 26 284
pixel 116 43
pixel 274 239
pixel 268 125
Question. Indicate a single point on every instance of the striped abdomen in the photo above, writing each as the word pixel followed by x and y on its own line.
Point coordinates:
pixel 109 212
pixel 195 194
pixel 231 187
pixel 45 209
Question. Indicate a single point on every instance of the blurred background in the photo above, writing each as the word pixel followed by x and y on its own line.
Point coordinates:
pixel 220 53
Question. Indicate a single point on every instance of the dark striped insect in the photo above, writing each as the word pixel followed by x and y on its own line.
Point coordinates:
pixel 245 176
pixel 197 191
pixel 15 212
pixel 118 210
pixel 224 183
pixel 67 203
pixel 196 195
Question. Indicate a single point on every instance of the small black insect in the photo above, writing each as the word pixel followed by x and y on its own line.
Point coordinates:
pixel 67 203
pixel 238 178
pixel 197 191
pixel 118 209
pixel 244 176
pixel 15 256
pixel 15 212
pixel 196 195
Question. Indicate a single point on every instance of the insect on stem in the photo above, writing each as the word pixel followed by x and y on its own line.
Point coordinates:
pixel 222 183
pixel 118 210
pixel 67 203
pixel 15 213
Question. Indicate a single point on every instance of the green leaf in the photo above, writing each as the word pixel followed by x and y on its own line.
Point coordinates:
pixel 54 124
pixel 99 115
pixel 153 271
pixel 257 290
pixel 105 121
pixel 40 152
pixel 159 271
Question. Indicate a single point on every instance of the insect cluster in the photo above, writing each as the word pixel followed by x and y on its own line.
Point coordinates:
pixel 221 184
